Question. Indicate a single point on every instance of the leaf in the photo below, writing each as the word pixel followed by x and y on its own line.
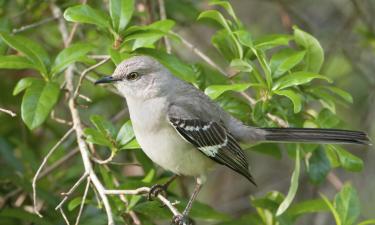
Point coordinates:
pixel 96 137
pixel 15 62
pixel 23 84
pixel 38 101
pixel 293 96
pixel 332 209
pixel 70 55
pixel 227 6
pixel 309 206
pixel 76 202
pixel 244 37
pixel 121 12
pixel 347 205
pixel 214 91
pixel 241 65
pixel 32 50
pixel 367 222
pixel 319 166
pixel 343 94
pixel 297 78
pixel 349 161
pixel 216 16
pixel 285 60
pixel 314 52
pixel 86 14
pixel 272 41
pixel 204 212
pixel 126 134
pixel 226 45
pixel 21 215
pixel 177 67
pixel 293 186
pixel 103 126
pixel 7 154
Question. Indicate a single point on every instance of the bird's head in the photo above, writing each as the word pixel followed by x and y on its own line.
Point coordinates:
pixel 139 77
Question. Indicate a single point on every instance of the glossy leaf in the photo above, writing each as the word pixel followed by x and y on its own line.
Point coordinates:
pixel 349 161
pixel 70 55
pixel 293 186
pixel 15 62
pixel 96 137
pixel 23 84
pixel 121 12
pixel 347 205
pixel 126 134
pixel 216 16
pixel 271 41
pixel 32 50
pixel 86 14
pixel 332 209
pixel 228 7
pixel 309 206
pixel 293 96
pixel 285 60
pixel 297 78
pixel 241 65
pixel 214 91
pixel 38 101
pixel 103 126
pixel 314 53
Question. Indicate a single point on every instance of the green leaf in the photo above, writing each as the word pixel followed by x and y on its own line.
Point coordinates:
pixel 241 65
pixel 96 137
pixel 216 16
pixel 103 126
pixel 319 166
pixel 349 161
pixel 332 209
pixel 309 206
pixel 293 186
pixel 293 96
pixel 21 215
pixel 347 205
pixel 121 12
pixel 70 55
pixel 38 101
pixel 23 84
pixel 86 14
pixel 244 37
pixel 126 134
pixel 204 212
pixel 297 78
pixel 74 203
pixel 15 62
pixel 32 50
pixel 226 45
pixel 314 52
pixel 367 222
pixel 272 41
pixel 343 94
pixel 285 60
pixel 176 66
pixel 227 6
pixel 214 91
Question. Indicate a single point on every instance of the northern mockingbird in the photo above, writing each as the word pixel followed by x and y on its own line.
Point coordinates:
pixel 183 131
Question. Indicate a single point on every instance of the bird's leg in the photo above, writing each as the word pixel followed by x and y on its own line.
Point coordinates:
pixel 184 218
pixel 156 189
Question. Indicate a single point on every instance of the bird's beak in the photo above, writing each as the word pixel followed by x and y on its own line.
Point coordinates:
pixel 107 79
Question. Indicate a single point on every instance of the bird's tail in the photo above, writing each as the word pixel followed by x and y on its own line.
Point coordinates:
pixel 332 136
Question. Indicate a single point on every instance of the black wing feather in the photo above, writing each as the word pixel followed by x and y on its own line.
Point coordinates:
pixel 215 142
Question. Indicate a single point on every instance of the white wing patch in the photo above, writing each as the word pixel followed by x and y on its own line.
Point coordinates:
pixel 214 149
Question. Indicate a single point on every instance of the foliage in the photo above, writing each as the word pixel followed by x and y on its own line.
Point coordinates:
pixel 281 72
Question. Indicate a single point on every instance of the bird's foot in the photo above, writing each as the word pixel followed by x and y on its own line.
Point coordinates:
pixel 182 220
pixel 155 190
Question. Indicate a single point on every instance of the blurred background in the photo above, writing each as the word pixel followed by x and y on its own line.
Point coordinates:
pixel 345 29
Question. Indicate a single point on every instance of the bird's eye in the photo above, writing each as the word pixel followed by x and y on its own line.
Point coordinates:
pixel 132 76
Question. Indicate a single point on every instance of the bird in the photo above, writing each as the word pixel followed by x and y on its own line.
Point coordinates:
pixel 183 131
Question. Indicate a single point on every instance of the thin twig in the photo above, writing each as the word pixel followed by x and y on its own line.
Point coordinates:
pixel 104 161
pixel 7 111
pixel 66 135
pixel 83 74
pixel 335 181
pixel 71 190
pixel 60 120
pixel 64 216
pixel 33 25
pixel 145 190
pixel 83 201
pixel 163 16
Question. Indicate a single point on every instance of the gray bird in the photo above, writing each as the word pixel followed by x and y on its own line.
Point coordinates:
pixel 185 132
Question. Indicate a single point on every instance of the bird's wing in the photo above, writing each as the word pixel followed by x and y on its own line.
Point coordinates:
pixel 213 140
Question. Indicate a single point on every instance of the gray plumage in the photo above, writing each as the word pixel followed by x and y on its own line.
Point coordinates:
pixel 185 132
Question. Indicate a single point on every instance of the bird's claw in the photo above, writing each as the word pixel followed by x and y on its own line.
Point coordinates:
pixel 155 190
pixel 182 220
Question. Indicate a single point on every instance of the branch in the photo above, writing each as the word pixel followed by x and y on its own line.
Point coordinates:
pixel 71 190
pixel 83 201
pixel 145 190
pixel 163 16
pixel 33 25
pixel 7 111
pixel 66 135
pixel 335 181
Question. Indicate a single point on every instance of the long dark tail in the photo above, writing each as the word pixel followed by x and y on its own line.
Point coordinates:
pixel 313 135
